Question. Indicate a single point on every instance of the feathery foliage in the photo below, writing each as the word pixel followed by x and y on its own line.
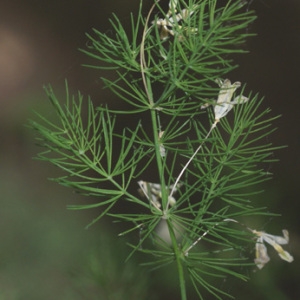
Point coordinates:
pixel 166 66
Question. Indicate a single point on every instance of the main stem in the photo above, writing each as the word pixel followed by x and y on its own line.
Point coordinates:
pixel 178 260
pixel 148 90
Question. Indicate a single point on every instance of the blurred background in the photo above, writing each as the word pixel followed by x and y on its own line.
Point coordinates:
pixel 45 250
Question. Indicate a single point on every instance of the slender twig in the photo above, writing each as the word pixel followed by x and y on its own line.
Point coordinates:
pixel 142 53
pixel 191 158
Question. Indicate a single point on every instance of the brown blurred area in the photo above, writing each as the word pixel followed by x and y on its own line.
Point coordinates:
pixel 44 247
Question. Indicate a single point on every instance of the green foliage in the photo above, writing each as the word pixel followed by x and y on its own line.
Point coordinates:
pixel 167 67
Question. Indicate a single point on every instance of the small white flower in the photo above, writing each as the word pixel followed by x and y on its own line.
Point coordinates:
pixel 224 103
pixel 152 191
pixel 275 241
pixel 166 25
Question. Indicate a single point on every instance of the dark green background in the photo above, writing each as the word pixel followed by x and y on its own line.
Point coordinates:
pixel 45 252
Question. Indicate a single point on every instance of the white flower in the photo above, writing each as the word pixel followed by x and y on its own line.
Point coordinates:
pixel 261 250
pixel 224 103
pixel 152 191
pixel 166 25
pixel 275 241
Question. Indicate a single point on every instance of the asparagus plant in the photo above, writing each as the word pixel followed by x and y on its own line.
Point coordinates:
pixel 194 159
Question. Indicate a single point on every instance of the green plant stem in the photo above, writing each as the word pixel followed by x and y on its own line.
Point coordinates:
pixel 160 167
pixel 148 89
pixel 147 85
pixel 178 260
pixel 165 196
